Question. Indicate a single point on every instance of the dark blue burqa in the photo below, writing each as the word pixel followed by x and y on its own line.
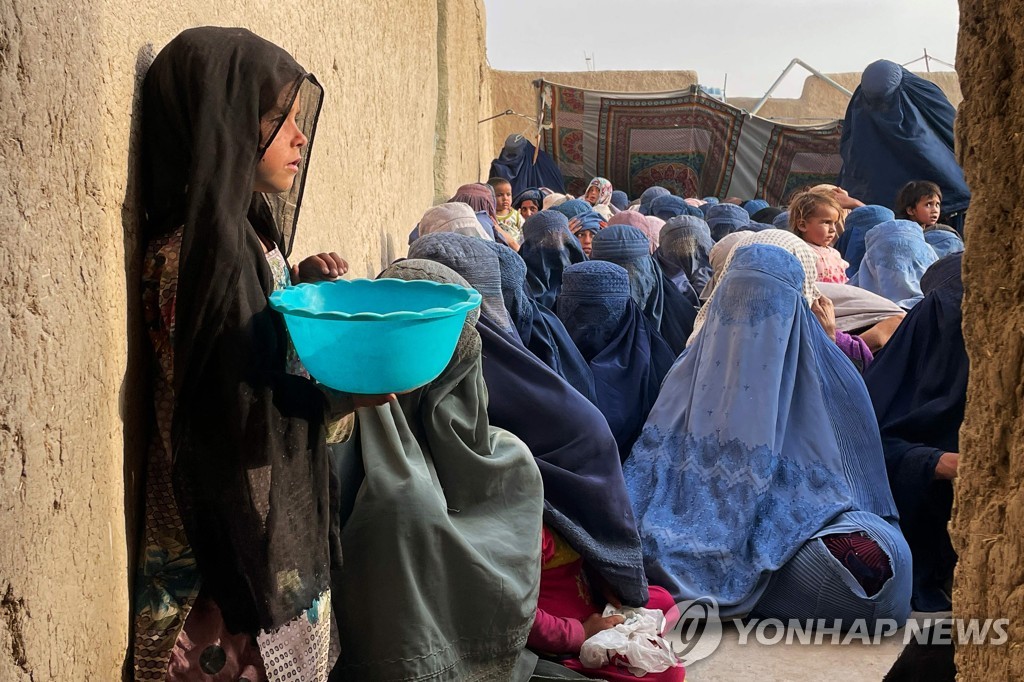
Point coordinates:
pixel 539 328
pixel 515 164
pixel 918 385
pixel 628 358
pixel 898 128
pixel 548 248
pixel 663 305
pixel 585 497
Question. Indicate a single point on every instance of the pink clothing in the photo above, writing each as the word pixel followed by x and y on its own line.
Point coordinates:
pixel 831 266
pixel 565 602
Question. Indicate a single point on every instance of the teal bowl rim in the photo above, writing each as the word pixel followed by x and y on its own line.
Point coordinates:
pixel 472 302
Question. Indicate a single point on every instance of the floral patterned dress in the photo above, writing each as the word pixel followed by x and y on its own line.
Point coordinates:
pixel 179 632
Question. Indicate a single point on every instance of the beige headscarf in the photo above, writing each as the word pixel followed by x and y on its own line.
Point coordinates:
pixel 454 217
pixel 785 240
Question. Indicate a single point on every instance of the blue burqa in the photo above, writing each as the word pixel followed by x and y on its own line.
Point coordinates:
pixel 663 305
pixel 944 242
pixel 548 248
pixel 850 244
pixel 725 219
pixel 896 256
pixel 628 358
pixel 898 128
pixel 918 385
pixel 684 251
pixel 515 164
pixel 763 439
pixel 539 328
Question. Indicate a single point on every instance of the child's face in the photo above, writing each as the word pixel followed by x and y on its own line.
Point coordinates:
pixel 503 197
pixel 926 211
pixel 592 195
pixel 276 171
pixel 586 238
pixel 528 208
pixel 822 227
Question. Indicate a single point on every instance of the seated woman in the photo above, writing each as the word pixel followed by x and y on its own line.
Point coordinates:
pixel 667 310
pixel 759 478
pixel 627 356
pixel 576 454
pixel 858 223
pixel 548 248
pixel 439 516
pixel 919 390
pixel 539 328
pixel 896 256
pixel 529 202
pixel 684 250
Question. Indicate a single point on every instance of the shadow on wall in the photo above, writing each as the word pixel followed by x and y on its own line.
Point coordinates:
pixel 135 401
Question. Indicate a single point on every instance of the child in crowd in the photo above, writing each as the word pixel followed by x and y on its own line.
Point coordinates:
pixel 920 201
pixel 509 219
pixel 817 219
pixel 567 615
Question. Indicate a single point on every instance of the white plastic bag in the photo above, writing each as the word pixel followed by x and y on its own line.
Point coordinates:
pixel 636 644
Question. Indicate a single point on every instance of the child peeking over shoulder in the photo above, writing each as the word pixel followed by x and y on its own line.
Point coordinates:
pixel 508 218
pixel 920 201
pixel 817 219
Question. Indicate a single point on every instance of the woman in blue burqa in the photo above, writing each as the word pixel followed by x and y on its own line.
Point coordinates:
pixel 898 128
pixel 666 309
pixel 759 479
pixel 627 357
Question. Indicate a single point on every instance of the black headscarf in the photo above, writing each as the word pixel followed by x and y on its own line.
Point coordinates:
pixel 250 467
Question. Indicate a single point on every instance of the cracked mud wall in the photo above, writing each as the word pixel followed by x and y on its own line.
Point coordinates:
pixel 73 394
pixel 988 515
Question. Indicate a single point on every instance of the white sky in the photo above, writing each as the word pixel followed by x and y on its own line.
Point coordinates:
pixel 751 40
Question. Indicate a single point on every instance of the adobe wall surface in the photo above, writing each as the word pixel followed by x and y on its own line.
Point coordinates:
pixel 820 102
pixel 988 514
pixel 73 400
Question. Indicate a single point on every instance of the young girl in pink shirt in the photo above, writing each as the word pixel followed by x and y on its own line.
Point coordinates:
pixel 817 219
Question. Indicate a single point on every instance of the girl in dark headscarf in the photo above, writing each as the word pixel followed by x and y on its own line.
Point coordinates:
pixel 528 202
pixel 918 386
pixel 548 248
pixel 668 311
pixel 234 580
pixel 684 250
pixel 627 356
pixel 443 514
pixel 539 329
pixel 576 453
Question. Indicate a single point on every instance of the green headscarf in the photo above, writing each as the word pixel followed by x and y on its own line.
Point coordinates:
pixel 441 527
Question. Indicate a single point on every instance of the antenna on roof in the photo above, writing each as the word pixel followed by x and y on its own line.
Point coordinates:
pixel 589 59
pixel 928 59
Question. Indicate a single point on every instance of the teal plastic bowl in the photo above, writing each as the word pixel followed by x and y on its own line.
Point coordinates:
pixel 375 336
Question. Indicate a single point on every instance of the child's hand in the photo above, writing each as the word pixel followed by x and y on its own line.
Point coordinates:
pixel 319 268
pixel 596 623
